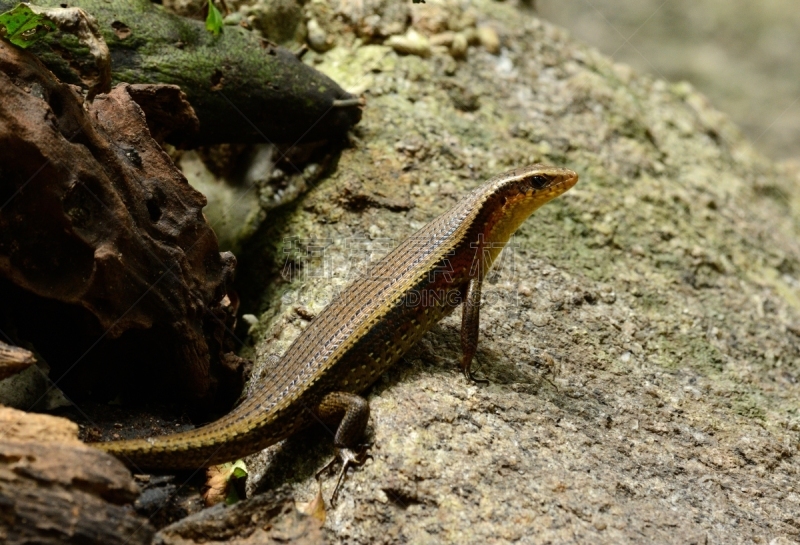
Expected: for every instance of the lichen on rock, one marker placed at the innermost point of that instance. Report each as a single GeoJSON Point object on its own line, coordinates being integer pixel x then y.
{"type": "Point", "coordinates": [662, 291]}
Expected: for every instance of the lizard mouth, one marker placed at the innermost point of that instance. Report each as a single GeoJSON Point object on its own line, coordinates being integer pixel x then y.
{"type": "Point", "coordinates": [561, 180]}
{"type": "Point", "coordinates": [566, 179]}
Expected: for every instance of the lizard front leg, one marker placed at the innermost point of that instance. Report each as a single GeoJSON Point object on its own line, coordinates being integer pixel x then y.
{"type": "Point", "coordinates": [470, 319]}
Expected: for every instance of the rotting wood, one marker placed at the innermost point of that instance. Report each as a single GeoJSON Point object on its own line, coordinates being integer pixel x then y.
{"type": "Point", "coordinates": [14, 359]}
{"type": "Point", "coordinates": [56, 490]}
{"type": "Point", "coordinates": [107, 265]}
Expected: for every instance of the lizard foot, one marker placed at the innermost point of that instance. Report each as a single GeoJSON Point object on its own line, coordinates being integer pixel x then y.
{"type": "Point", "coordinates": [348, 457]}
{"type": "Point", "coordinates": [472, 378]}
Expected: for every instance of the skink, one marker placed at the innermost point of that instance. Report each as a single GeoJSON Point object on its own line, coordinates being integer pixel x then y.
{"type": "Point", "coordinates": [366, 329]}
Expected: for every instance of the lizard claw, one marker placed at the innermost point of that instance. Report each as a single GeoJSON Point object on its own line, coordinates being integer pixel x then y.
{"type": "Point", "coordinates": [348, 457]}
{"type": "Point", "coordinates": [473, 378]}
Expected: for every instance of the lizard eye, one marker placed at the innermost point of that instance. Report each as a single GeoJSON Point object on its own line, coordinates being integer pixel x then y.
{"type": "Point", "coordinates": [539, 182]}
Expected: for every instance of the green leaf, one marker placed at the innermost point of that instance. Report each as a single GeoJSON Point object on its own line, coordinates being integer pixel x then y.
{"type": "Point", "coordinates": [239, 469]}
{"type": "Point", "coordinates": [22, 27]}
{"type": "Point", "coordinates": [232, 496]}
{"type": "Point", "coordinates": [235, 489]}
{"type": "Point", "coordinates": [214, 19]}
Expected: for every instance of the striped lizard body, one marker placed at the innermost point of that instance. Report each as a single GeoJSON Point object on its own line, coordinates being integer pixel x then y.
{"type": "Point", "coordinates": [366, 329]}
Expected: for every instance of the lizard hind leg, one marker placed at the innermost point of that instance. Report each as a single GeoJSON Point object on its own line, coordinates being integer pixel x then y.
{"type": "Point", "coordinates": [352, 413]}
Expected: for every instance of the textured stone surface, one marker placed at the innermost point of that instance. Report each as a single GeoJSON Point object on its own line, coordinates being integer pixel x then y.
{"type": "Point", "coordinates": [741, 53]}
{"type": "Point", "coordinates": [663, 293]}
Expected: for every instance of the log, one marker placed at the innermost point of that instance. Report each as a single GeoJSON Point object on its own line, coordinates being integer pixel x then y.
{"type": "Point", "coordinates": [243, 88]}
{"type": "Point", "coordinates": [56, 490]}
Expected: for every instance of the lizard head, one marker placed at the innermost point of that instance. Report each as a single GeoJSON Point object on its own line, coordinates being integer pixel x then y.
{"type": "Point", "coordinates": [542, 182]}
{"type": "Point", "coordinates": [516, 194]}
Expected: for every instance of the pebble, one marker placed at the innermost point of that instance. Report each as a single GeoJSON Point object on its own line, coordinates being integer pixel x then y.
{"type": "Point", "coordinates": [318, 39]}
{"type": "Point", "coordinates": [412, 43]}
{"type": "Point", "coordinates": [489, 39]}
{"type": "Point", "coordinates": [458, 49]}
{"type": "Point", "coordinates": [443, 38]}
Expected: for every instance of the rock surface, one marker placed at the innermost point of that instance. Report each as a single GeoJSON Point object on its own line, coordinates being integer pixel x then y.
{"type": "Point", "coordinates": [662, 293]}
{"type": "Point", "coordinates": [742, 54]}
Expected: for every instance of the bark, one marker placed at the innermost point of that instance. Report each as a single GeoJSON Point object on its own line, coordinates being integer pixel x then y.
{"type": "Point", "coordinates": [13, 360]}
{"type": "Point", "coordinates": [268, 518]}
{"type": "Point", "coordinates": [110, 268]}
{"type": "Point", "coordinates": [56, 490]}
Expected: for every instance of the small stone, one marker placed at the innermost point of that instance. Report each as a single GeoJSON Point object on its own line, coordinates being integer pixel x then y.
{"type": "Point", "coordinates": [489, 39]}
{"type": "Point", "coordinates": [187, 8]}
{"type": "Point", "coordinates": [250, 319]}
{"type": "Point", "coordinates": [412, 43]}
{"type": "Point", "coordinates": [464, 20]}
{"type": "Point", "coordinates": [318, 39]}
{"type": "Point", "coordinates": [458, 49]}
{"type": "Point", "coordinates": [444, 38]}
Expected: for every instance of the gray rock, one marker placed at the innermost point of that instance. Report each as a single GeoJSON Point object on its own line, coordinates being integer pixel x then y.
{"type": "Point", "coordinates": [660, 293]}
